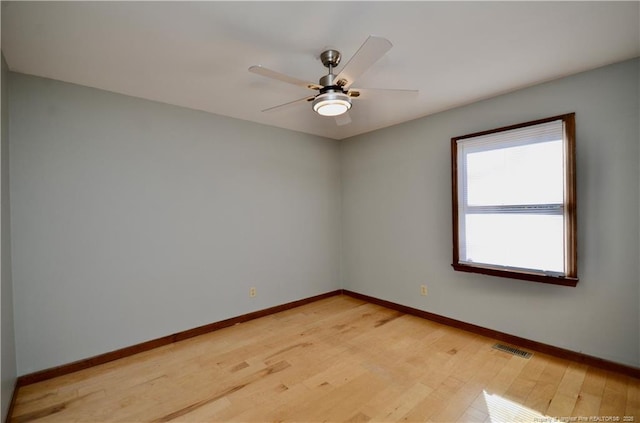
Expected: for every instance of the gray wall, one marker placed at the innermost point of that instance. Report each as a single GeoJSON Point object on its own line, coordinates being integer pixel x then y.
{"type": "Point", "coordinates": [397, 218]}
{"type": "Point", "coordinates": [8, 368]}
{"type": "Point", "coordinates": [133, 220]}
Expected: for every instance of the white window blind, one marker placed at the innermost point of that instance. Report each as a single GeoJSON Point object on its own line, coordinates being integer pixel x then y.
{"type": "Point", "coordinates": [511, 199]}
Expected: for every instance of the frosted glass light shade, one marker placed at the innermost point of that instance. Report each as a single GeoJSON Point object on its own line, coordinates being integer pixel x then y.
{"type": "Point", "coordinates": [331, 104]}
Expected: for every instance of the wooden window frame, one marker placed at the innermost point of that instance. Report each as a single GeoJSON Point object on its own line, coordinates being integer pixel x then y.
{"type": "Point", "coordinates": [570, 278]}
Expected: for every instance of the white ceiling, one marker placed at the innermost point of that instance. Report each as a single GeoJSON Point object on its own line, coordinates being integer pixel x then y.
{"type": "Point", "coordinates": [196, 54]}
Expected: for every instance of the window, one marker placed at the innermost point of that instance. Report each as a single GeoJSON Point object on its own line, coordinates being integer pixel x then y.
{"type": "Point", "coordinates": [514, 206]}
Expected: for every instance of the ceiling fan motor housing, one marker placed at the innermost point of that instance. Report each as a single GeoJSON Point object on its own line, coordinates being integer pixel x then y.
{"type": "Point", "coordinates": [329, 81]}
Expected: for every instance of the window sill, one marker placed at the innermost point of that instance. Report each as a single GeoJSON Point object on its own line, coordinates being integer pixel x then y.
{"type": "Point", "coordinates": [532, 277]}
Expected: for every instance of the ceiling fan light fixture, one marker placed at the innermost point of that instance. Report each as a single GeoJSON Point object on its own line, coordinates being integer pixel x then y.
{"type": "Point", "coordinates": [331, 103]}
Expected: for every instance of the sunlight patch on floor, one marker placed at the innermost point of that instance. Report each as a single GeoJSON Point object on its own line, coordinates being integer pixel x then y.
{"type": "Point", "coordinates": [502, 410]}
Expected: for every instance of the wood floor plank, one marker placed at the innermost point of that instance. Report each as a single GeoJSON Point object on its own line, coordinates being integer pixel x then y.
{"type": "Point", "coordinates": [590, 396]}
{"type": "Point", "coordinates": [337, 359]}
{"type": "Point", "coordinates": [393, 408]}
{"type": "Point", "coordinates": [632, 409]}
{"type": "Point", "coordinates": [614, 395]}
{"type": "Point", "coordinates": [566, 396]}
{"type": "Point", "coordinates": [546, 387]}
{"type": "Point", "coordinates": [522, 386]}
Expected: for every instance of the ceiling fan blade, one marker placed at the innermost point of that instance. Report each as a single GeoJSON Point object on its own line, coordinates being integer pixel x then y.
{"type": "Point", "coordinates": [291, 103]}
{"type": "Point", "coordinates": [260, 70]}
{"type": "Point", "coordinates": [343, 119]}
{"type": "Point", "coordinates": [365, 92]}
{"type": "Point", "coordinates": [369, 52]}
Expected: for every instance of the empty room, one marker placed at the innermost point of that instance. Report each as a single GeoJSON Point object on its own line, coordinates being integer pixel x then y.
{"type": "Point", "coordinates": [320, 211]}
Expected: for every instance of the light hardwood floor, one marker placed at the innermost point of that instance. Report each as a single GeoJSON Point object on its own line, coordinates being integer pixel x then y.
{"type": "Point", "coordinates": [338, 359]}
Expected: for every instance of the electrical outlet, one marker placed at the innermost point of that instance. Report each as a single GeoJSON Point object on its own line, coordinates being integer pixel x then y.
{"type": "Point", "coordinates": [252, 292]}
{"type": "Point", "coordinates": [423, 290]}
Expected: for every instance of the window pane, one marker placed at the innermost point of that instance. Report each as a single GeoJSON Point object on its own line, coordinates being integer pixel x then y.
{"type": "Point", "coordinates": [527, 174]}
{"type": "Point", "coordinates": [515, 240]}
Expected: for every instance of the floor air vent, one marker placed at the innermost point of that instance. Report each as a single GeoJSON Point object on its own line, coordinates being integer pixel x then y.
{"type": "Point", "coordinates": [512, 350]}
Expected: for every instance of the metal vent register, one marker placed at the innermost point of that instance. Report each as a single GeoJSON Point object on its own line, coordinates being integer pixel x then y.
{"type": "Point", "coordinates": [512, 350]}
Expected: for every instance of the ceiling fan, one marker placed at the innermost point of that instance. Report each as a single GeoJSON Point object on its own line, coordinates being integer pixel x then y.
{"type": "Point", "coordinates": [334, 91]}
